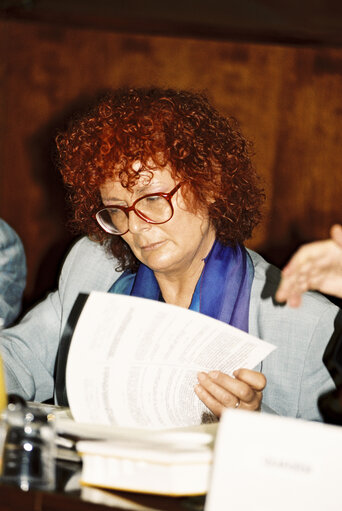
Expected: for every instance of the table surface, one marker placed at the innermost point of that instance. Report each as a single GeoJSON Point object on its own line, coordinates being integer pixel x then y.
{"type": "Point", "coordinates": [69, 495]}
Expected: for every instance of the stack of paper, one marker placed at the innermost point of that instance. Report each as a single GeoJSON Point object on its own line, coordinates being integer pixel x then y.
{"type": "Point", "coordinates": [176, 464]}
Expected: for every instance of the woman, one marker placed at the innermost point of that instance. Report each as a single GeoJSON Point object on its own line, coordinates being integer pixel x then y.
{"type": "Point", "coordinates": [164, 187]}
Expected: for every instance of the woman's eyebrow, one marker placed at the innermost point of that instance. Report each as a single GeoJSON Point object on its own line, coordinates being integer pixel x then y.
{"type": "Point", "coordinates": [142, 190]}
{"type": "Point", "coordinates": [111, 199]}
{"type": "Point", "coordinates": [106, 199]}
{"type": "Point", "coordinates": [147, 188]}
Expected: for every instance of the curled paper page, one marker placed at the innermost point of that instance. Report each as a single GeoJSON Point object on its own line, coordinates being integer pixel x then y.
{"type": "Point", "coordinates": [133, 362]}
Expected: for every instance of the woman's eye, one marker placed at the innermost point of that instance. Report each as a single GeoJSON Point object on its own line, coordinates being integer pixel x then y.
{"type": "Point", "coordinates": [113, 211]}
{"type": "Point", "coordinates": [153, 198]}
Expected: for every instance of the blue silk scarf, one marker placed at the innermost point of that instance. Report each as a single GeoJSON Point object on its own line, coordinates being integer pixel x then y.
{"type": "Point", "coordinates": [222, 292]}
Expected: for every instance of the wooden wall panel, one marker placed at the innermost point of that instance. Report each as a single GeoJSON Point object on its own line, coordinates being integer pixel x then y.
{"type": "Point", "coordinates": [287, 99]}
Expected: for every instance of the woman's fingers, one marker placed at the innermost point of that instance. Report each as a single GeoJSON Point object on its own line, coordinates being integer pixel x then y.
{"type": "Point", "coordinates": [214, 405]}
{"type": "Point", "coordinates": [219, 391]}
{"type": "Point", "coordinates": [253, 378]}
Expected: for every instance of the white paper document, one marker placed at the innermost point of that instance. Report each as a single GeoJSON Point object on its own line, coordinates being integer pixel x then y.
{"type": "Point", "coordinates": [265, 462]}
{"type": "Point", "coordinates": [133, 362]}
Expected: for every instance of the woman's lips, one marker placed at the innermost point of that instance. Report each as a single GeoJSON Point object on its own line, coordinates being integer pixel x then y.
{"type": "Point", "coordinates": [152, 246]}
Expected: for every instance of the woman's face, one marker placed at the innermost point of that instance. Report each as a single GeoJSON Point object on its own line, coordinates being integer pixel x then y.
{"type": "Point", "coordinates": [171, 248]}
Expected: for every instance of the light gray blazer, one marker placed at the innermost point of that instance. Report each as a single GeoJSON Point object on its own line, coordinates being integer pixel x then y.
{"type": "Point", "coordinates": [295, 373]}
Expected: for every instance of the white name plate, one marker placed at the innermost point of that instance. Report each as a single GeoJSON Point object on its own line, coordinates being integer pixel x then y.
{"type": "Point", "coordinates": [266, 462]}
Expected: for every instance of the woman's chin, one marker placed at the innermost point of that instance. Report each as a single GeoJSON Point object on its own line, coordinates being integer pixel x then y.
{"type": "Point", "coordinates": [157, 262]}
{"type": "Point", "coordinates": [158, 266]}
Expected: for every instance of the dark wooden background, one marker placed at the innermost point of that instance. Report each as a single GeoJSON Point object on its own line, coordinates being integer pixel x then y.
{"type": "Point", "coordinates": [284, 87]}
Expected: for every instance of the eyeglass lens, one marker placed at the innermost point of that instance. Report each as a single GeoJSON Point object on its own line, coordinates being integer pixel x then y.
{"type": "Point", "coordinates": [153, 209]}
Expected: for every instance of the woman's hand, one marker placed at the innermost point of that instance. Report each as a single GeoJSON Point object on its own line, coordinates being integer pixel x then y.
{"type": "Point", "coordinates": [219, 391]}
{"type": "Point", "coordinates": [317, 265]}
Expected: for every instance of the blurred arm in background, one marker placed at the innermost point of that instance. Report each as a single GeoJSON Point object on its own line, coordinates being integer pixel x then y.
{"type": "Point", "coordinates": [317, 266]}
{"type": "Point", "coordinates": [12, 274]}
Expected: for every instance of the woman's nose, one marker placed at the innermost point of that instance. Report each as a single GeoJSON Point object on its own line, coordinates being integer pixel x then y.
{"type": "Point", "coordinates": [136, 224]}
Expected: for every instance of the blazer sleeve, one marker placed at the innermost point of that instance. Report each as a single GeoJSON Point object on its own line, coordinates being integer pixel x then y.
{"type": "Point", "coordinates": [315, 379]}
{"type": "Point", "coordinates": [29, 348]}
{"type": "Point", "coordinates": [295, 372]}
{"type": "Point", "coordinates": [29, 351]}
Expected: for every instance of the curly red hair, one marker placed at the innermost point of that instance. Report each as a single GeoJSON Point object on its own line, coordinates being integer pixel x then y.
{"type": "Point", "coordinates": [157, 127]}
